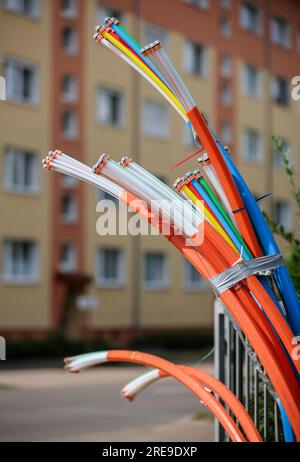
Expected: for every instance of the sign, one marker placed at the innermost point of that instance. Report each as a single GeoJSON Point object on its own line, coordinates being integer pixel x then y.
{"type": "Point", "coordinates": [87, 303]}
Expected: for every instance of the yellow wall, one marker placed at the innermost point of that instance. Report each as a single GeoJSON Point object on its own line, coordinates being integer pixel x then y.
{"type": "Point", "coordinates": [27, 306]}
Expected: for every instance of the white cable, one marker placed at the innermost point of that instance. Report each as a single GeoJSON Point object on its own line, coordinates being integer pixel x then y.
{"type": "Point", "coordinates": [134, 183]}
{"type": "Point", "coordinates": [196, 216]}
{"type": "Point", "coordinates": [140, 71]}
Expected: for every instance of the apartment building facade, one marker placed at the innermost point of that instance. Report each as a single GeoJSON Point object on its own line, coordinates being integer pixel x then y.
{"type": "Point", "coordinates": [66, 91]}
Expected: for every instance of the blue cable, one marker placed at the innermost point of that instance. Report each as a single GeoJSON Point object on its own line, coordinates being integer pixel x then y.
{"type": "Point", "coordinates": [269, 247]}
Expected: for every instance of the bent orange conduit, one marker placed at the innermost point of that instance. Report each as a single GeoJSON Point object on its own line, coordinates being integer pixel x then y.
{"type": "Point", "coordinates": [224, 393]}
{"type": "Point", "coordinates": [287, 390]}
{"type": "Point", "coordinates": [190, 382]}
{"type": "Point", "coordinates": [233, 195]}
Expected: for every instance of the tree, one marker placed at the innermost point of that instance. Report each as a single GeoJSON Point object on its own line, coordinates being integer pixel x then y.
{"type": "Point", "coordinates": [293, 256]}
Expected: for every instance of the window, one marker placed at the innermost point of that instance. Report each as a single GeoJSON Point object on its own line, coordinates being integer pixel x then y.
{"type": "Point", "coordinates": [195, 59]}
{"type": "Point", "coordinates": [226, 94]}
{"type": "Point", "coordinates": [110, 107]}
{"type": "Point", "coordinates": [107, 12]}
{"type": "Point", "coordinates": [251, 18]}
{"type": "Point", "coordinates": [68, 258]}
{"type": "Point", "coordinates": [226, 133]}
{"type": "Point", "coordinates": [280, 91]}
{"type": "Point", "coordinates": [252, 81]}
{"type": "Point", "coordinates": [69, 209]}
{"type": "Point", "coordinates": [252, 146]}
{"type": "Point", "coordinates": [152, 33]}
{"type": "Point", "coordinates": [29, 8]}
{"type": "Point", "coordinates": [155, 120]}
{"type": "Point", "coordinates": [201, 4]}
{"type": "Point", "coordinates": [21, 171]}
{"type": "Point", "coordinates": [110, 268]}
{"type": "Point", "coordinates": [225, 4]}
{"type": "Point", "coordinates": [69, 8]}
{"type": "Point", "coordinates": [280, 32]}
{"type": "Point", "coordinates": [21, 82]}
{"type": "Point", "coordinates": [155, 271]}
{"type": "Point", "coordinates": [225, 27]}
{"type": "Point", "coordinates": [282, 150]}
{"type": "Point", "coordinates": [69, 88]}
{"type": "Point", "coordinates": [284, 214]}
{"type": "Point", "coordinates": [20, 263]}
{"type": "Point", "coordinates": [69, 40]}
{"type": "Point", "coordinates": [69, 125]}
{"type": "Point", "coordinates": [192, 279]}
{"type": "Point", "coordinates": [68, 182]}
{"type": "Point", "coordinates": [225, 66]}
{"type": "Point", "coordinates": [187, 136]}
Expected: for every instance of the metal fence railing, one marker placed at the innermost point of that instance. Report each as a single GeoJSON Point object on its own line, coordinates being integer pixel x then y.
{"type": "Point", "coordinates": [238, 367]}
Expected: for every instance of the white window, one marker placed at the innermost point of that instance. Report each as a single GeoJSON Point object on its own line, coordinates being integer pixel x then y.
{"type": "Point", "coordinates": [110, 107]}
{"type": "Point", "coordinates": [107, 12]}
{"type": "Point", "coordinates": [110, 268]}
{"type": "Point", "coordinates": [155, 271]}
{"type": "Point", "coordinates": [225, 66]}
{"type": "Point", "coordinates": [29, 8]}
{"type": "Point", "coordinates": [282, 150]}
{"type": "Point", "coordinates": [69, 88]}
{"type": "Point", "coordinates": [20, 263]}
{"type": "Point", "coordinates": [68, 258]}
{"type": "Point", "coordinates": [21, 81]}
{"type": "Point", "coordinates": [284, 214]}
{"type": "Point", "coordinates": [226, 133]}
{"type": "Point", "coordinates": [195, 59]}
{"type": "Point", "coordinates": [69, 8]}
{"type": "Point", "coordinates": [225, 27]}
{"type": "Point", "coordinates": [21, 171]}
{"type": "Point", "coordinates": [68, 182]}
{"type": "Point", "coordinates": [69, 125]}
{"type": "Point", "coordinates": [156, 121]}
{"type": "Point", "coordinates": [226, 94]}
{"type": "Point", "coordinates": [280, 32]}
{"type": "Point", "coordinates": [192, 279]}
{"type": "Point", "coordinates": [226, 4]}
{"type": "Point", "coordinates": [252, 149]}
{"type": "Point", "coordinates": [280, 90]}
{"type": "Point", "coordinates": [152, 33]}
{"type": "Point", "coordinates": [69, 209]}
{"type": "Point", "coordinates": [251, 17]}
{"type": "Point", "coordinates": [201, 4]}
{"type": "Point", "coordinates": [252, 81]}
{"type": "Point", "coordinates": [187, 136]}
{"type": "Point", "coordinates": [69, 40]}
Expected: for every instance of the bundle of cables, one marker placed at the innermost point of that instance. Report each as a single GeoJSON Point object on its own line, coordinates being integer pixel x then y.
{"type": "Point", "coordinates": [223, 235]}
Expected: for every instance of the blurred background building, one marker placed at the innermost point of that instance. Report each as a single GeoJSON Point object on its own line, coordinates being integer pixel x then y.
{"type": "Point", "coordinates": [65, 91]}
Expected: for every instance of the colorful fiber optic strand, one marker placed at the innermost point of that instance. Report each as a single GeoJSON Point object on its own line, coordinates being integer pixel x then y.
{"type": "Point", "coordinates": [250, 318]}
{"type": "Point", "coordinates": [216, 167]}
{"type": "Point", "coordinates": [155, 53]}
{"type": "Point", "coordinates": [155, 60]}
{"type": "Point", "coordinates": [188, 376]}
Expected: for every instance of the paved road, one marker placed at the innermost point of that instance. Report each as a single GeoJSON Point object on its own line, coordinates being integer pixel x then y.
{"type": "Point", "coordinates": [52, 405]}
